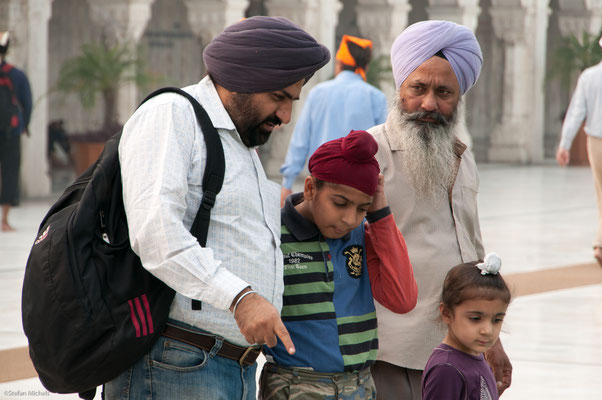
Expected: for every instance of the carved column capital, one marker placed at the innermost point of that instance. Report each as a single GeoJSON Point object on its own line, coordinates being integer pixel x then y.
{"type": "Point", "coordinates": [509, 24]}
{"type": "Point", "coordinates": [208, 18]}
{"type": "Point", "coordinates": [120, 20]}
{"type": "Point", "coordinates": [305, 13]}
{"type": "Point", "coordinates": [463, 12]}
{"type": "Point", "coordinates": [578, 16]}
{"type": "Point", "coordinates": [382, 21]}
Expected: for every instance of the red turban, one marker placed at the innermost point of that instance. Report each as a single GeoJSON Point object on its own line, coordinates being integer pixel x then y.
{"type": "Point", "coordinates": [348, 161]}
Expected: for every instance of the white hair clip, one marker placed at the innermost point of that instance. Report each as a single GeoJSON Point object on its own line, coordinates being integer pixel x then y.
{"type": "Point", "coordinates": [491, 264]}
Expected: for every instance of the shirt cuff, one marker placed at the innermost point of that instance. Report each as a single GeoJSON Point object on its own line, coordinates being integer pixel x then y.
{"type": "Point", "coordinates": [223, 288]}
{"type": "Point", "coordinates": [287, 182]}
{"type": "Point", "coordinates": [378, 214]}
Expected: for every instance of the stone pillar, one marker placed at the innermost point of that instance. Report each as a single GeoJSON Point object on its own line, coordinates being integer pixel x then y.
{"type": "Point", "coordinates": [382, 21]}
{"type": "Point", "coordinates": [518, 137]}
{"type": "Point", "coordinates": [463, 12]}
{"type": "Point", "coordinates": [32, 41]}
{"type": "Point", "coordinates": [123, 23]}
{"type": "Point", "coordinates": [319, 19]}
{"type": "Point", "coordinates": [12, 15]}
{"type": "Point", "coordinates": [207, 18]}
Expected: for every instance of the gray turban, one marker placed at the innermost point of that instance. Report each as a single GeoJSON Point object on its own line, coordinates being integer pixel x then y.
{"type": "Point", "coordinates": [422, 40]}
{"type": "Point", "coordinates": [261, 54]}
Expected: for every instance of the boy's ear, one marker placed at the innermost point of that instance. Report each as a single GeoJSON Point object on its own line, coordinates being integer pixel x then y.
{"type": "Point", "coordinates": [445, 313]}
{"type": "Point", "coordinates": [309, 188]}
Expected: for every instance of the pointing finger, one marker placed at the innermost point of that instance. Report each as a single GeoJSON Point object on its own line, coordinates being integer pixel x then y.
{"type": "Point", "coordinates": [284, 336]}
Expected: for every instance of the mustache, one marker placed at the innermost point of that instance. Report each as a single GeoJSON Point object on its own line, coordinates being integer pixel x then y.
{"type": "Point", "coordinates": [272, 119]}
{"type": "Point", "coordinates": [439, 118]}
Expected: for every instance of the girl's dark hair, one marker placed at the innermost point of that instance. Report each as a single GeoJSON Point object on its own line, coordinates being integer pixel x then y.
{"type": "Point", "coordinates": [465, 282]}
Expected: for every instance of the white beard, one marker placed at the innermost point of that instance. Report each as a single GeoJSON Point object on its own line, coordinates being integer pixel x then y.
{"type": "Point", "coordinates": [428, 152]}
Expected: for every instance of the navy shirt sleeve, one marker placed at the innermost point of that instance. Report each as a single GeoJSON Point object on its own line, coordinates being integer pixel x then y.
{"type": "Point", "coordinates": [23, 93]}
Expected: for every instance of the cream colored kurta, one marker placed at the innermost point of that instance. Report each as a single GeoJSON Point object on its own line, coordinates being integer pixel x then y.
{"type": "Point", "coordinates": [439, 234]}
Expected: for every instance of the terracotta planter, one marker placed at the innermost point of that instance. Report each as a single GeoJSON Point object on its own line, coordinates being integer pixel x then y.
{"type": "Point", "coordinates": [84, 154]}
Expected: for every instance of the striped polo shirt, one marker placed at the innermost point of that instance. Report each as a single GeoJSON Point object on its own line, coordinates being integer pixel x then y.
{"type": "Point", "coordinates": [327, 303]}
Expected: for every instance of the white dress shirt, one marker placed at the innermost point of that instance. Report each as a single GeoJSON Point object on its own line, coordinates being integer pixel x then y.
{"type": "Point", "coordinates": [586, 104]}
{"type": "Point", "coordinates": [162, 154]}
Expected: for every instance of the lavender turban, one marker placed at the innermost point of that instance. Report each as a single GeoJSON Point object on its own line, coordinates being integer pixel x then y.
{"type": "Point", "coordinates": [422, 40]}
{"type": "Point", "coordinates": [261, 54]}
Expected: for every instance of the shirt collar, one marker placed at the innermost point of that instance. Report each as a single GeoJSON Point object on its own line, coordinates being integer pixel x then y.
{"type": "Point", "coordinates": [297, 224]}
{"type": "Point", "coordinates": [348, 75]}
{"type": "Point", "coordinates": [209, 99]}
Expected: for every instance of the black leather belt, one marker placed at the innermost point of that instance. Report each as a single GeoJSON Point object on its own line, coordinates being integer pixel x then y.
{"type": "Point", "coordinates": [244, 355]}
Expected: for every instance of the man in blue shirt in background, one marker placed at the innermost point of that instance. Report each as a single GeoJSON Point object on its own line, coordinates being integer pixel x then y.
{"type": "Point", "coordinates": [334, 108]}
{"type": "Point", "coordinates": [10, 136]}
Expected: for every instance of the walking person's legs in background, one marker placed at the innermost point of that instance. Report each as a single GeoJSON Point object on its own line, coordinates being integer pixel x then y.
{"type": "Point", "coordinates": [594, 152]}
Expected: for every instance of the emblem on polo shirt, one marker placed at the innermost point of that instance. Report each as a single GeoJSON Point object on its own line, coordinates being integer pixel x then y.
{"type": "Point", "coordinates": [354, 256]}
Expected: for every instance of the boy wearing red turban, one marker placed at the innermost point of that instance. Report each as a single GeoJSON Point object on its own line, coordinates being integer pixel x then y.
{"type": "Point", "coordinates": [341, 250]}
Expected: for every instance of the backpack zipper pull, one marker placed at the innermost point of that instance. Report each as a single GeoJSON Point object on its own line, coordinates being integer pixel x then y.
{"type": "Point", "coordinates": [105, 237]}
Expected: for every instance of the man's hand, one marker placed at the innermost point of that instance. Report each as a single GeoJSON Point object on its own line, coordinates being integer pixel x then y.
{"type": "Point", "coordinates": [259, 322]}
{"type": "Point", "coordinates": [500, 364]}
{"type": "Point", "coordinates": [283, 195]}
{"type": "Point", "coordinates": [379, 200]}
{"type": "Point", "coordinates": [563, 157]}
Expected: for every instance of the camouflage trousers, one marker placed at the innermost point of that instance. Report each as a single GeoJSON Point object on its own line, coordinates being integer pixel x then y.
{"type": "Point", "coordinates": [280, 383]}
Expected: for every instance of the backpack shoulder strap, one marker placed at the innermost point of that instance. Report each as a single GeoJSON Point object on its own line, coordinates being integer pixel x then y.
{"type": "Point", "coordinates": [213, 176]}
{"type": "Point", "coordinates": [215, 168]}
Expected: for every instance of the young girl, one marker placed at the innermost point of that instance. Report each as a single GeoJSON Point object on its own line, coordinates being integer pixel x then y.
{"type": "Point", "coordinates": [473, 304]}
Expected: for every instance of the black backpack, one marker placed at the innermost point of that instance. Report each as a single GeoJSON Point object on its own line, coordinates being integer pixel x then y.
{"type": "Point", "coordinates": [89, 308]}
{"type": "Point", "coordinates": [9, 105]}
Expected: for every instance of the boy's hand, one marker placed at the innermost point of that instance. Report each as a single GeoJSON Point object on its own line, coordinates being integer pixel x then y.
{"type": "Point", "coordinates": [284, 192]}
{"type": "Point", "coordinates": [380, 200]}
{"type": "Point", "coordinates": [259, 322]}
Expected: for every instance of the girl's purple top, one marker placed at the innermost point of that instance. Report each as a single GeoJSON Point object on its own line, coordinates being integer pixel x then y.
{"type": "Point", "coordinates": [452, 374]}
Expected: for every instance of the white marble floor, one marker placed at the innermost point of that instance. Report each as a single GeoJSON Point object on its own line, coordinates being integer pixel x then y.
{"type": "Point", "coordinates": [535, 217]}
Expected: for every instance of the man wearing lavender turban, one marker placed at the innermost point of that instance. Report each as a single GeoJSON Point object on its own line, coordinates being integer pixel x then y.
{"type": "Point", "coordinates": [431, 181]}
{"type": "Point", "coordinates": [256, 68]}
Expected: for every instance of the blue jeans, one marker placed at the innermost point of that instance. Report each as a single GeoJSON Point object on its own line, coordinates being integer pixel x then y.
{"type": "Point", "coordinates": [175, 370]}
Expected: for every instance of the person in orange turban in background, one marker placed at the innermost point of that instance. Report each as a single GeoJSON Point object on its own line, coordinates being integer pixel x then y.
{"type": "Point", "coordinates": [334, 108]}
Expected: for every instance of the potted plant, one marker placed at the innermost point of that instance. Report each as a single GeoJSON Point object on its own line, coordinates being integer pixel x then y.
{"type": "Point", "coordinates": [99, 69]}
{"type": "Point", "coordinates": [572, 57]}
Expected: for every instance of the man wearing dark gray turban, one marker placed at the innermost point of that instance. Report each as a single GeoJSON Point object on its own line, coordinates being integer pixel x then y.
{"type": "Point", "coordinates": [256, 69]}
{"type": "Point", "coordinates": [432, 182]}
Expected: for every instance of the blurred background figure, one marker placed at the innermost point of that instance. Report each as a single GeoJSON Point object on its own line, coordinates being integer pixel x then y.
{"type": "Point", "coordinates": [335, 107]}
{"type": "Point", "coordinates": [15, 111]}
{"type": "Point", "coordinates": [59, 148]}
{"type": "Point", "coordinates": [586, 105]}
